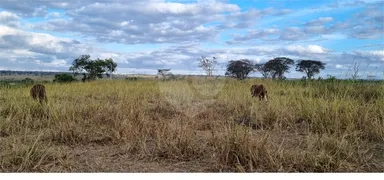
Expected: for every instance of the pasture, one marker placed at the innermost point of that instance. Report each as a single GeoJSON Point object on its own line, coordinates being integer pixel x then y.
{"type": "Point", "coordinates": [193, 125]}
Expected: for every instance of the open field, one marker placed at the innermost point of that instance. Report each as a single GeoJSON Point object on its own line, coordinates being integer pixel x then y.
{"type": "Point", "coordinates": [193, 125]}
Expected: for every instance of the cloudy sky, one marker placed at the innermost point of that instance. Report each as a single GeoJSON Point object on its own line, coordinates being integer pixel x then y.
{"type": "Point", "coordinates": [144, 35]}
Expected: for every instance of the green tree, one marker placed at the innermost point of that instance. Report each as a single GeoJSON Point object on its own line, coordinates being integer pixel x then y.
{"type": "Point", "coordinates": [92, 69]}
{"type": "Point", "coordinates": [262, 70]}
{"type": "Point", "coordinates": [310, 67]}
{"type": "Point", "coordinates": [110, 66]}
{"type": "Point", "coordinates": [277, 67]}
{"type": "Point", "coordinates": [64, 78]}
{"type": "Point", "coordinates": [27, 81]}
{"type": "Point", "coordinates": [239, 68]}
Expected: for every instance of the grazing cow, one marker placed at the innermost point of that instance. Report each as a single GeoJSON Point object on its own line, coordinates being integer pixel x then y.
{"type": "Point", "coordinates": [38, 93]}
{"type": "Point", "coordinates": [260, 91]}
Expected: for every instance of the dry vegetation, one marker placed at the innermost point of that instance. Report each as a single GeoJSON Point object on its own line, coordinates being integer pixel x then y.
{"type": "Point", "coordinates": [164, 126]}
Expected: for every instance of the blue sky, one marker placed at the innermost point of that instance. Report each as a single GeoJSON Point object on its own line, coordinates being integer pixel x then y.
{"type": "Point", "coordinates": [144, 35]}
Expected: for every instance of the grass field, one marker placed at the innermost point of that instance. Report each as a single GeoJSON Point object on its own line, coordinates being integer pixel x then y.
{"type": "Point", "coordinates": [193, 125]}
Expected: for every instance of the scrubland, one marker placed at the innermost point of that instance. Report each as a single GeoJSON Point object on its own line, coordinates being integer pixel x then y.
{"type": "Point", "coordinates": [193, 125]}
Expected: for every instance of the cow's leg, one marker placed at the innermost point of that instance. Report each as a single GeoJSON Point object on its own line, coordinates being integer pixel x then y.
{"type": "Point", "coordinates": [265, 98]}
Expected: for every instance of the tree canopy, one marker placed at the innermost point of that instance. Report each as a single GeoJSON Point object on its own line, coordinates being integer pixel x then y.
{"type": "Point", "coordinates": [277, 67]}
{"type": "Point", "coordinates": [239, 68]}
{"type": "Point", "coordinates": [262, 70]}
{"type": "Point", "coordinates": [64, 78]}
{"type": "Point", "coordinates": [92, 69]}
{"type": "Point", "coordinates": [309, 67]}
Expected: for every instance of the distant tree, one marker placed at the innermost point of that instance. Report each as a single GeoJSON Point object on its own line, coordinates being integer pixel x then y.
{"type": "Point", "coordinates": [110, 66]}
{"type": "Point", "coordinates": [64, 78]}
{"type": "Point", "coordinates": [92, 69]}
{"type": "Point", "coordinates": [261, 68]}
{"type": "Point", "coordinates": [277, 67]}
{"type": "Point", "coordinates": [309, 67]}
{"type": "Point", "coordinates": [239, 68]}
{"type": "Point", "coordinates": [208, 64]}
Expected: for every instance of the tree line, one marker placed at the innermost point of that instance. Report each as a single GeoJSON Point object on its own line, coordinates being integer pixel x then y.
{"type": "Point", "coordinates": [274, 68]}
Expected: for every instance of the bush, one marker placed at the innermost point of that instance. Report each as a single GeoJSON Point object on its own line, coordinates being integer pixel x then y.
{"type": "Point", "coordinates": [64, 78]}
{"type": "Point", "coordinates": [27, 81]}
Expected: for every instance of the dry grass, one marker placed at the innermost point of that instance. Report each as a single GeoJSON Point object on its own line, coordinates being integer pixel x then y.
{"type": "Point", "coordinates": [191, 125]}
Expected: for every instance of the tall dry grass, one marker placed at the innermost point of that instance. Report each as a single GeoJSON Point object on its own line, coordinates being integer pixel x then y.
{"type": "Point", "coordinates": [311, 127]}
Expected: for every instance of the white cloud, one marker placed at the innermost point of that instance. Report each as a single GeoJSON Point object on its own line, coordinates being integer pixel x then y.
{"type": "Point", "coordinates": [310, 49]}
{"type": "Point", "coordinates": [377, 53]}
{"type": "Point", "coordinates": [9, 19]}
{"type": "Point", "coordinates": [151, 21]}
{"type": "Point", "coordinates": [53, 63]}
{"type": "Point", "coordinates": [319, 21]}
{"type": "Point", "coordinates": [30, 49]}
{"type": "Point", "coordinates": [255, 35]}
{"type": "Point", "coordinates": [135, 22]}
{"type": "Point", "coordinates": [335, 36]}
{"type": "Point", "coordinates": [315, 49]}
{"type": "Point", "coordinates": [316, 29]}
{"type": "Point", "coordinates": [374, 55]}
{"type": "Point", "coordinates": [53, 15]}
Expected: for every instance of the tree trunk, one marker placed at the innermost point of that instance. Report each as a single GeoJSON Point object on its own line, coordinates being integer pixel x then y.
{"type": "Point", "coordinates": [84, 77]}
{"type": "Point", "coordinates": [308, 75]}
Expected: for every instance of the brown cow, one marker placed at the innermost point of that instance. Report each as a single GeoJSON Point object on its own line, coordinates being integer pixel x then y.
{"type": "Point", "coordinates": [260, 91]}
{"type": "Point", "coordinates": [38, 93]}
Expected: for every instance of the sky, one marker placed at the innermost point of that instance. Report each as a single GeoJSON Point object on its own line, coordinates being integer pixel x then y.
{"type": "Point", "coordinates": [145, 35]}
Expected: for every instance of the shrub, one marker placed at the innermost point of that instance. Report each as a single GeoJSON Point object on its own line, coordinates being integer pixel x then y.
{"type": "Point", "coordinates": [27, 81]}
{"type": "Point", "coordinates": [331, 79]}
{"type": "Point", "coordinates": [64, 78]}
